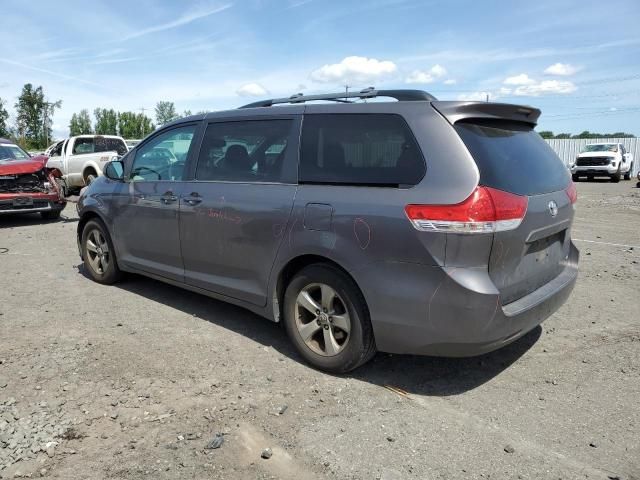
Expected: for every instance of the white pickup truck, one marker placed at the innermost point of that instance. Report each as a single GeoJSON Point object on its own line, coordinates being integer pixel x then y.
{"type": "Point", "coordinates": [603, 160]}
{"type": "Point", "coordinates": [80, 159]}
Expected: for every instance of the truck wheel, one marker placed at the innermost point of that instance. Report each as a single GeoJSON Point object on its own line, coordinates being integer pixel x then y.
{"type": "Point", "coordinates": [575, 177]}
{"type": "Point", "coordinates": [98, 253]}
{"type": "Point", "coordinates": [89, 178]}
{"type": "Point", "coordinates": [615, 178]}
{"type": "Point", "coordinates": [627, 176]}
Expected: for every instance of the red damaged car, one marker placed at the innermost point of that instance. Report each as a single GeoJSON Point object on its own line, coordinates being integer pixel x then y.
{"type": "Point", "coordinates": [26, 184]}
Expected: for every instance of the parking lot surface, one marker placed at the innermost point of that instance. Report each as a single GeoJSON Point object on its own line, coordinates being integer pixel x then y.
{"type": "Point", "coordinates": [135, 380]}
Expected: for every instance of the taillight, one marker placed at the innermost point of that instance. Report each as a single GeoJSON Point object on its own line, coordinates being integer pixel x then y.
{"type": "Point", "coordinates": [571, 192]}
{"type": "Point", "coordinates": [487, 210]}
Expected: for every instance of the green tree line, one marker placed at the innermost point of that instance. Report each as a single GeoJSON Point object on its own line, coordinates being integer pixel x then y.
{"type": "Point", "coordinates": [34, 118]}
{"type": "Point", "coordinates": [586, 134]}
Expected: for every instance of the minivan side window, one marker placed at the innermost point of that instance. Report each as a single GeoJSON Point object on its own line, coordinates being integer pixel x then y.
{"type": "Point", "coordinates": [359, 149]}
{"type": "Point", "coordinates": [163, 158]}
{"type": "Point", "coordinates": [244, 151]}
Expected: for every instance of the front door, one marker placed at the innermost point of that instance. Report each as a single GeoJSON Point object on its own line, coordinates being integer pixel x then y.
{"type": "Point", "coordinates": [147, 228]}
{"type": "Point", "coordinates": [234, 214]}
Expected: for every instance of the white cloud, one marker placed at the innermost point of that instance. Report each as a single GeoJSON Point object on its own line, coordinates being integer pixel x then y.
{"type": "Point", "coordinates": [477, 96]}
{"type": "Point", "coordinates": [450, 81]}
{"type": "Point", "coordinates": [178, 22]}
{"type": "Point", "coordinates": [251, 90]}
{"type": "Point", "coordinates": [561, 69]}
{"type": "Point", "coordinates": [545, 87]}
{"type": "Point", "coordinates": [354, 69]}
{"type": "Point", "coordinates": [522, 79]}
{"type": "Point", "coordinates": [427, 76]}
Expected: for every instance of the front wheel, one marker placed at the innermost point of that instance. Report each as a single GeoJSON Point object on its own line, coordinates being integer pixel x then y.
{"type": "Point", "coordinates": [575, 177]}
{"type": "Point", "coordinates": [627, 176]}
{"type": "Point", "coordinates": [98, 253]}
{"type": "Point", "coordinates": [327, 319]}
{"type": "Point", "coordinates": [615, 178]}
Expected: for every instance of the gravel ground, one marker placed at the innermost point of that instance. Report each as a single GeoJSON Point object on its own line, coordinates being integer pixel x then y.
{"type": "Point", "coordinates": [142, 380]}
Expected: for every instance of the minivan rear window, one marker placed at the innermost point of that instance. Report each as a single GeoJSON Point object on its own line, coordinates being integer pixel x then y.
{"type": "Point", "coordinates": [512, 157]}
{"type": "Point", "coordinates": [359, 149]}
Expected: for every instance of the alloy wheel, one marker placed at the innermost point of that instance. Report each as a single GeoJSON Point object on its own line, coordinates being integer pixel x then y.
{"type": "Point", "coordinates": [322, 319]}
{"type": "Point", "coordinates": [98, 251]}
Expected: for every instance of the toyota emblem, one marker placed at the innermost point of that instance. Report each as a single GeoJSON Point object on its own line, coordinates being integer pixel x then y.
{"type": "Point", "coordinates": [553, 208]}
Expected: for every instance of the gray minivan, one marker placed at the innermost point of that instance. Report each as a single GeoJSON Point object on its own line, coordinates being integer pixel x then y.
{"type": "Point", "coordinates": [407, 226]}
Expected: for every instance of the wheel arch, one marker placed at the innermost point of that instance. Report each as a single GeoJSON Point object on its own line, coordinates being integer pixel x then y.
{"type": "Point", "coordinates": [293, 266]}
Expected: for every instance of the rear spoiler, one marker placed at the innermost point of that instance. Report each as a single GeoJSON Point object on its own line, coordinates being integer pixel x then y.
{"type": "Point", "coordinates": [456, 111]}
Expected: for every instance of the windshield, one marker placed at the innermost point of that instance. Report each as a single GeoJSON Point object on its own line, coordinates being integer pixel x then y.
{"type": "Point", "coordinates": [12, 152]}
{"type": "Point", "coordinates": [601, 147]}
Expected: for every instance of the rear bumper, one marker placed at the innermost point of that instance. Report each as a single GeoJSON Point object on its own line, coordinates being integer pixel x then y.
{"type": "Point", "coordinates": [30, 203]}
{"type": "Point", "coordinates": [457, 313]}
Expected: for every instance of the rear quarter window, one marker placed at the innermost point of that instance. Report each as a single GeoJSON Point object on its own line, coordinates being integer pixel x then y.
{"type": "Point", "coordinates": [103, 144]}
{"type": "Point", "coordinates": [512, 157]}
{"type": "Point", "coordinates": [359, 149]}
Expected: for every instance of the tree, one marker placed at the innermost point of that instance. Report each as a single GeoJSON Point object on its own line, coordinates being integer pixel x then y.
{"type": "Point", "coordinates": [563, 135]}
{"type": "Point", "coordinates": [134, 125]}
{"type": "Point", "coordinates": [34, 117]}
{"type": "Point", "coordinates": [546, 134]}
{"type": "Point", "coordinates": [165, 112]}
{"type": "Point", "coordinates": [4, 116]}
{"type": "Point", "coordinates": [106, 121]}
{"type": "Point", "coordinates": [80, 123]}
{"type": "Point", "coordinates": [186, 113]}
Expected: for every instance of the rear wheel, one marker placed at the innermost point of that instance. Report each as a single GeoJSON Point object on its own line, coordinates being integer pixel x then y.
{"type": "Point", "coordinates": [575, 177]}
{"type": "Point", "coordinates": [98, 253]}
{"type": "Point", "coordinates": [89, 177]}
{"type": "Point", "coordinates": [327, 319]}
{"type": "Point", "coordinates": [627, 176]}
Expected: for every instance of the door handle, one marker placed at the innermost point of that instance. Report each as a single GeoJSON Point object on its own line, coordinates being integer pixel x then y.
{"type": "Point", "coordinates": [193, 199]}
{"type": "Point", "coordinates": [168, 197]}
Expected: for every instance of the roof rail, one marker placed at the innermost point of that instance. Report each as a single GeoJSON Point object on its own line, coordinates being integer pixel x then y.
{"type": "Point", "coordinates": [400, 95]}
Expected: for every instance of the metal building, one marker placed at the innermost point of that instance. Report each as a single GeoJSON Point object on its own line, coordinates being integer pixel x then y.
{"type": "Point", "coordinates": [568, 149]}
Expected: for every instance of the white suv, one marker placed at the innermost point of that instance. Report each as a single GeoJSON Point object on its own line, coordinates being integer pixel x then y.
{"type": "Point", "coordinates": [603, 159]}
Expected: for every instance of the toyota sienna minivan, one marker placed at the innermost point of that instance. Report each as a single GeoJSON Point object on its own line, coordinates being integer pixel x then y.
{"type": "Point", "coordinates": [406, 226]}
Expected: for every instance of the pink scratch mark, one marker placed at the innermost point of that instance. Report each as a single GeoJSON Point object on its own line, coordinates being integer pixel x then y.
{"type": "Point", "coordinates": [359, 223]}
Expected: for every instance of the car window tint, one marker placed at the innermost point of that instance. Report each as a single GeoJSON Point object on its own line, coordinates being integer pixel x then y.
{"type": "Point", "coordinates": [103, 144]}
{"type": "Point", "coordinates": [513, 157]}
{"type": "Point", "coordinates": [356, 149]}
{"type": "Point", "coordinates": [245, 151]}
{"type": "Point", "coordinates": [163, 158]}
{"type": "Point", "coordinates": [83, 145]}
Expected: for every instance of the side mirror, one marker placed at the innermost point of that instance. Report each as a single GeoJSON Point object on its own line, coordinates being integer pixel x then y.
{"type": "Point", "coordinates": [114, 170]}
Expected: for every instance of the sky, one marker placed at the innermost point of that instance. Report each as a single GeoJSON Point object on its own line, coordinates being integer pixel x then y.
{"type": "Point", "coordinates": [578, 61]}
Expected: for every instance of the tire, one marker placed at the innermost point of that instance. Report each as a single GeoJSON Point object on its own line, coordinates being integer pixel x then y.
{"type": "Point", "coordinates": [354, 345]}
{"type": "Point", "coordinates": [101, 265]}
{"type": "Point", "coordinates": [89, 177]}
{"type": "Point", "coordinates": [51, 214]}
{"type": "Point", "coordinates": [615, 178]}
{"type": "Point", "coordinates": [627, 176]}
{"type": "Point", "coordinates": [589, 178]}
{"type": "Point", "coordinates": [575, 177]}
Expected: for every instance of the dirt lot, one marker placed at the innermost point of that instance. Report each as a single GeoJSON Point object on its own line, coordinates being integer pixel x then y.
{"type": "Point", "coordinates": [134, 381]}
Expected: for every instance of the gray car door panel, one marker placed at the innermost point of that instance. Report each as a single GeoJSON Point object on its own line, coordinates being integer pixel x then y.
{"type": "Point", "coordinates": [231, 231]}
{"type": "Point", "coordinates": [147, 226]}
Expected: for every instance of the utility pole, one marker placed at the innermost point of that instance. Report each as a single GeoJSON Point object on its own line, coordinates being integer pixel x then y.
{"type": "Point", "coordinates": [346, 92]}
{"type": "Point", "coordinates": [142, 109]}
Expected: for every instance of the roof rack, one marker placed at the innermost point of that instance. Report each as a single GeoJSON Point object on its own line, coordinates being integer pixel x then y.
{"type": "Point", "coordinates": [400, 95]}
